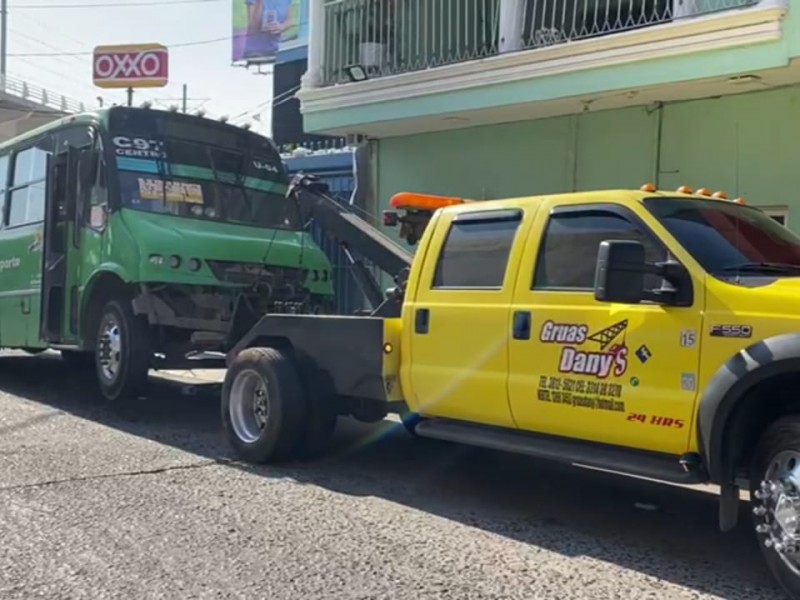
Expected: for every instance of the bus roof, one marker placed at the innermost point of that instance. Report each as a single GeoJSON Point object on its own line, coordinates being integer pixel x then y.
{"type": "Point", "coordinates": [97, 116]}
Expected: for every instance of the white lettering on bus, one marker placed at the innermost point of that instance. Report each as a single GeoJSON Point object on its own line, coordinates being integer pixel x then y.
{"type": "Point", "coordinates": [7, 264]}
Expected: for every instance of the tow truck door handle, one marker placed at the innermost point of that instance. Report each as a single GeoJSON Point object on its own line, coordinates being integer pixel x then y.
{"type": "Point", "coordinates": [421, 318]}
{"type": "Point", "coordinates": [522, 325]}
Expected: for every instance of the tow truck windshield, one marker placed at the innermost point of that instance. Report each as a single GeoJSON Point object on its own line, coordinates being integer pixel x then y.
{"type": "Point", "coordinates": [199, 171]}
{"type": "Point", "coordinates": [729, 239]}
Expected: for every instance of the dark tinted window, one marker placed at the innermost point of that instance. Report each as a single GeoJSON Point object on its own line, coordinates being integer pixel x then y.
{"type": "Point", "coordinates": [568, 254]}
{"type": "Point", "coordinates": [475, 254]}
{"type": "Point", "coordinates": [721, 235]}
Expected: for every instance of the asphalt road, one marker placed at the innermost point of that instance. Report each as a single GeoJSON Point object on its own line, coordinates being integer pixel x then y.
{"type": "Point", "coordinates": [147, 503]}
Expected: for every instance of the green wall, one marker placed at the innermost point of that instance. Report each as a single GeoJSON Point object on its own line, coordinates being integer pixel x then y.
{"type": "Point", "coordinates": [747, 145]}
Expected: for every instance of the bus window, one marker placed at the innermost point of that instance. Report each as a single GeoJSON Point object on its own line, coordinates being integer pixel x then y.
{"type": "Point", "coordinates": [77, 137]}
{"type": "Point", "coordinates": [28, 190]}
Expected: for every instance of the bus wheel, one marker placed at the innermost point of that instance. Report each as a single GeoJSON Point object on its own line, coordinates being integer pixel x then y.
{"type": "Point", "coordinates": [263, 406]}
{"type": "Point", "coordinates": [122, 353]}
{"type": "Point", "coordinates": [775, 497]}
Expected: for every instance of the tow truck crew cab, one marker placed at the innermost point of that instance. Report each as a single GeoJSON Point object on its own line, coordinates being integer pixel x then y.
{"type": "Point", "coordinates": [647, 332]}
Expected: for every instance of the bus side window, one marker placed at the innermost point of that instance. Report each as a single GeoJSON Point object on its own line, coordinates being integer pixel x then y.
{"type": "Point", "coordinates": [28, 190]}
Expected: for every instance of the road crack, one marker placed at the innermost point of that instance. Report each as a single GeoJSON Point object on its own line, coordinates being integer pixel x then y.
{"type": "Point", "coordinates": [155, 471]}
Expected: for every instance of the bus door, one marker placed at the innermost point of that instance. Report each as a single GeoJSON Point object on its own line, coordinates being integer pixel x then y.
{"type": "Point", "coordinates": [59, 214]}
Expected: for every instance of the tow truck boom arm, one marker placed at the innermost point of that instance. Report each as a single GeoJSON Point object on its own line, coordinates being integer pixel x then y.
{"type": "Point", "coordinates": [356, 237]}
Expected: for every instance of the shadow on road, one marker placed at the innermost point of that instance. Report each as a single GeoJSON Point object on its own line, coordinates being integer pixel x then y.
{"type": "Point", "coordinates": [663, 531]}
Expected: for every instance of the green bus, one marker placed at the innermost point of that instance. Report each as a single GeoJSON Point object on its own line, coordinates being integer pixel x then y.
{"type": "Point", "coordinates": [134, 238]}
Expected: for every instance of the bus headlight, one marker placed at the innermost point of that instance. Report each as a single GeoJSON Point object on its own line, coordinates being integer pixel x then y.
{"type": "Point", "coordinates": [174, 261]}
{"type": "Point", "coordinates": [156, 259]}
{"type": "Point", "coordinates": [194, 264]}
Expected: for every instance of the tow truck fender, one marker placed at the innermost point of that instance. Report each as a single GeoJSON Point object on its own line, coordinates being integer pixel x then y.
{"type": "Point", "coordinates": [718, 431]}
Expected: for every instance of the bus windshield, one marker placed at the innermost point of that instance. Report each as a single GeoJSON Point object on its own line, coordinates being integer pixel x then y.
{"type": "Point", "coordinates": [183, 166]}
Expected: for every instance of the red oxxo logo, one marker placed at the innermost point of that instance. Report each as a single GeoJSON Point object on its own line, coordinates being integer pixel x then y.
{"type": "Point", "coordinates": [143, 65]}
{"type": "Point", "coordinates": [611, 358]}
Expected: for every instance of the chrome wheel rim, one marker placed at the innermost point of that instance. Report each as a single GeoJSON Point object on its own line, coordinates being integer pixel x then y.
{"type": "Point", "coordinates": [110, 349]}
{"type": "Point", "coordinates": [776, 506]}
{"type": "Point", "coordinates": [249, 405]}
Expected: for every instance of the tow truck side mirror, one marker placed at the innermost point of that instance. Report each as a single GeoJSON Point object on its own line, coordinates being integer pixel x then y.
{"type": "Point", "coordinates": [619, 274]}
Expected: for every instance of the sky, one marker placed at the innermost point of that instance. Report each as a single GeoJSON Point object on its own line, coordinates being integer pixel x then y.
{"type": "Point", "coordinates": [53, 27]}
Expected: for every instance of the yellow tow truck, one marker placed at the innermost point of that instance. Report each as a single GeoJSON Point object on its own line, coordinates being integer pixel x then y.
{"type": "Point", "coordinates": [648, 332]}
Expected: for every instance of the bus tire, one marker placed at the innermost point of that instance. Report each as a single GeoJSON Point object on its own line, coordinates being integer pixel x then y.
{"type": "Point", "coordinates": [122, 352]}
{"type": "Point", "coordinates": [772, 485]}
{"type": "Point", "coordinates": [263, 406]}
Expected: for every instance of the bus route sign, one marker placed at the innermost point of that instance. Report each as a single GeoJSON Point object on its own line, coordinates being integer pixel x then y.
{"type": "Point", "coordinates": [131, 66]}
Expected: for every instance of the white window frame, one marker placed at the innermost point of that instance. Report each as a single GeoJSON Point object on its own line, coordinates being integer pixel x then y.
{"type": "Point", "coordinates": [776, 211]}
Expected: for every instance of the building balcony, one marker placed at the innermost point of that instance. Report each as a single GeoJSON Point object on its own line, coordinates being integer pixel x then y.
{"type": "Point", "coordinates": [379, 38]}
{"type": "Point", "coordinates": [373, 57]}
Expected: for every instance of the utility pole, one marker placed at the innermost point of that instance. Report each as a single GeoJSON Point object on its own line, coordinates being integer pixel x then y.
{"type": "Point", "coordinates": [185, 94]}
{"type": "Point", "coordinates": [3, 39]}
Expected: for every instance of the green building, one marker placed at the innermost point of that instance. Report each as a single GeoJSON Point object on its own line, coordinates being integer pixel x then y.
{"type": "Point", "coordinates": [495, 98]}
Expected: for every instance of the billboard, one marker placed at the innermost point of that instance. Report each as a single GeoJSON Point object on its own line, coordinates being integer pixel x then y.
{"type": "Point", "coordinates": [262, 28]}
{"type": "Point", "coordinates": [130, 66]}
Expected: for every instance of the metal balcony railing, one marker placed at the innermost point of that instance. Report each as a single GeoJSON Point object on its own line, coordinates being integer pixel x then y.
{"type": "Point", "coordinates": [387, 37]}
{"type": "Point", "coordinates": [34, 94]}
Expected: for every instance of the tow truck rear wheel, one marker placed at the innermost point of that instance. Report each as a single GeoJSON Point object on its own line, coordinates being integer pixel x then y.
{"type": "Point", "coordinates": [322, 412]}
{"type": "Point", "coordinates": [775, 498]}
{"type": "Point", "coordinates": [263, 406]}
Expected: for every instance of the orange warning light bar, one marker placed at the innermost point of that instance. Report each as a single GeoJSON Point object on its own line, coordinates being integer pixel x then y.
{"type": "Point", "coordinates": [704, 192]}
{"type": "Point", "coordinates": [648, 187]}
{"type": "Point", "coordinates": [739, 201]}
{"type": "Point", "coordinates": [685, 189]}
{"type": "Point", "coordinates": [720, 195]}
{"type": "Point", "coordinates": [414, 201]}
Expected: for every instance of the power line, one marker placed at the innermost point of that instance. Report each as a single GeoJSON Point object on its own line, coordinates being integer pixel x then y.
{"type": "Point", "coordinates": [91, 52]}
{"type": "Point", "coordinates": [110, 4]}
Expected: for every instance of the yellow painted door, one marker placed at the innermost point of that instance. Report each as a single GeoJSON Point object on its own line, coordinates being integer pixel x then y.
{"type": "Point", "coordinates": [614, 373]}
{"type": "Point", "coordinates": [459, 317]}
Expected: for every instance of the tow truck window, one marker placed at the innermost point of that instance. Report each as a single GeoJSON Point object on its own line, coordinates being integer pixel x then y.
{"type": "Point", "coordinates": [723, 235]}
{"type": "Point", "coordinates": [475, 254]}
{"type": "Point", "coordinates": [568, 253]}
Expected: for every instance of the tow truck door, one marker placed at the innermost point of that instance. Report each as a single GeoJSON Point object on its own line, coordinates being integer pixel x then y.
{"type": "Point", "coordinates": [623, 374]}
{"type": "Point", "coordinates": [459, 316]}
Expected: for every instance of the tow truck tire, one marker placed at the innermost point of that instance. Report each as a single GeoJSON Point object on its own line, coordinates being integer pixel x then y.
{"type": "Point", "coordinates": [122, 352]}
{"type": "Point", "coordinates": [322, 413]}
{"type": "Point", "coordinates": [263, 406]}
{"type": "Point", "coordinates": [777, 457]}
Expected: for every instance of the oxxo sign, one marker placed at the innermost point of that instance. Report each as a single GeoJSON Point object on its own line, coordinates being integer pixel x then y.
{"type": "Point", "coordinates": [131, 66]}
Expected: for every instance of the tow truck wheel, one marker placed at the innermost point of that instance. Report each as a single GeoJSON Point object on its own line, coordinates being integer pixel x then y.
{"type": "Point", "coordinates": [775, 498]}
{"type": "Point", "coordinates": [122, 352]}
{"type": "Point", "coordinates": [322, 412]}
{"type": "Point", "coordinates": [263, 406]}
